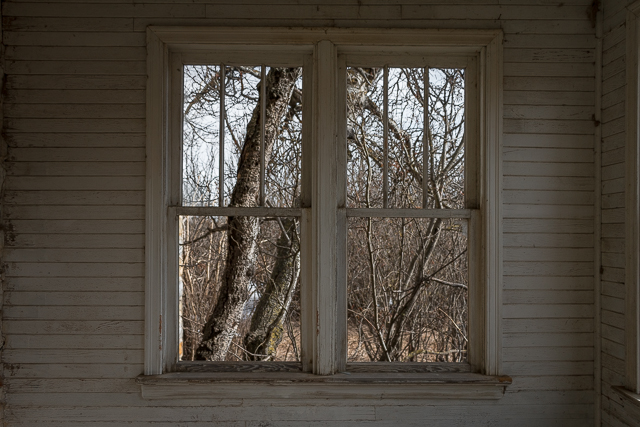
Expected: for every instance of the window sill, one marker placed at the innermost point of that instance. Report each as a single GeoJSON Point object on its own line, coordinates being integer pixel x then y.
{"type": "Point", "coordinates": [279, 385]}
{"type": "Point", "coordinates": [627, 396]}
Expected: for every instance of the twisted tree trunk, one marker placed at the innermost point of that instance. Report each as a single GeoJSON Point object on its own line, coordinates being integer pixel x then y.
{"type": "Point", "coordinates": [267, 321]}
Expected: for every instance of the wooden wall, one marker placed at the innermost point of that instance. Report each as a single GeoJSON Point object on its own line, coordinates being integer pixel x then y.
{"type": "Point", "coordinates": [614, 411]}
{"type": "Point", "coordinates": [74, 211]}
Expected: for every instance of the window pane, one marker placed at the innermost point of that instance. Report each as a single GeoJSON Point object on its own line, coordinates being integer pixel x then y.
{"type": "Point", "coordinates": [201, 127]}
{"type": "Point", "coordinates": [242, 135]}
{"type": "Point", "coordinates": [241, 276]}
{"type": "Point", "coordinates": [407, 290]}
{"type": "Point", "coordinates": [365, 133]}
{"type": "Point", "coordinates": [406, 162]}
{"type": "Point", "coordinates": [446, 142]}
{"type": "Point", "coordinates": [406, 129]}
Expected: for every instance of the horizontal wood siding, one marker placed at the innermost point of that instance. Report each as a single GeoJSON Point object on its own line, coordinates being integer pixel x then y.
{"type": "Point", "coordinates": [612, 298]}
{"type": "Point", "coordinates": [74, 212]}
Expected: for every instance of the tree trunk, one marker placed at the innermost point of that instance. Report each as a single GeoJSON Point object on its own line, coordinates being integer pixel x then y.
{"type": "Point", "coordinates": [267, 321]}
{"type": "Point", "coordinates": [222, 325]}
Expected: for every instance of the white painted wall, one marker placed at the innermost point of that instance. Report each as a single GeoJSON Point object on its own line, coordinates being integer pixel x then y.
{"type": "Point", "coordinates": [74, 211]}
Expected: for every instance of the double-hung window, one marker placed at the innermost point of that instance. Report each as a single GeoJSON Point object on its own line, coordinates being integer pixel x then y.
{"type": "Point", "coordinates": [323, 202]}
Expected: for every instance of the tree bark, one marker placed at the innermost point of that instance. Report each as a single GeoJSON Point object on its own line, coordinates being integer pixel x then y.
{"type": "Point", "coordinates": [222, 325]}
{"type": "Point", "coordinates": [267, 321]}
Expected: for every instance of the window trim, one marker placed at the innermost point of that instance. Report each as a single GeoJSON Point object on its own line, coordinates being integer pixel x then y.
{"type": "Point", "coordinates": [160, 328]}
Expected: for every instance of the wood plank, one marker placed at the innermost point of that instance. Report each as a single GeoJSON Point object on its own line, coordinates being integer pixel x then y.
{"type": "Point", "coordinates": [74, 313]}
{"type": "Point", "coordinates": [68, 327]}
{"type": "Point", "coordinates": [45, 299]}
{"type": "Point", "coordinates": [555, 383]}
{"type": "Point", "coordinates": [75, 198]}
{"type": "Point", "coordinates": [71, 284]}
{"type": "Point", "coordinates": [553, 41]}
{"type": "Point", "coordinates": [90, 10]}
{"type": "Point", "coordinates": [549, 155]}
{"type": "Point", "coordinates": [76, 370]}
{"type": "Point", "coordinates": [549, 368]}
{"type": "Point", "coordinates": [30, 23]}
{"type": "Point", "coordinates": [572, 127]}
{"type": "Point", "coordinates": [223, 413]}
{"type": "Point", "coordinates": [76, 82]}
{"type": "Point", "coordinates": [549, 69]}
{"type": "Point", "coordinates": [573, 112]}
{"type": "Point", "coordinates": [547, 240]}
{"type": "Point", "coordinates": [548, 141]}
{"type": "Point", "coordinates": [538, 296]}
{"type": "Point", "coordinates": [78, 226]}
{"type": "Point", "coordinates": [72, 53]}
{"type": "Point", "coordinates": [547, 311]}
{"type": "Point", "coordinates": [75, 341]}
{"type": "Point", "coordinates": [546, 211]}
{"type": "Point", "coordinates": [613, 216]}
{"type": "Point", "coordinates": [527, 97]}
{"type": "Point", "coordinates": [549, 353]}
{"type": "Point", "coordinates": [548, 283]}
{"type": "Point", "coordinates": [574, 84]}
{"type": "Point", "coordinates": [555, 339]}
{"type": "Point", "coordinates": [68, 269]}
{"type": "Point", "coordinates": [613, 97]}
{"type": "Point", "coordinates": [44, 240]}
{"type": "Point", "coordinates": [93, 154]}
{"type": "Point", "coordinates": [138, 68]}
{"type": "Point", "coordinates": [75, 111]}
{"type": "Point", "coordinates": [547, 225]}
{"type": "Point", "coordinates": [547, 325]}
{"type": "Point", "coordinates": [613, 112]}
{"type": "Point", "coordinates": [75, 125]}
{"type": "Point", "coordinates": [87, 183]}
{"type": "Point", "coordinates": [133, 168]}
{"type": "Point", "coordinates": [55, 356]}
{"type": "Point", "coordinates": [560, 183]}
{"type": "Point", "coordinates": [43, 96]}
{"type": "Point", "coordinates": [613, 246]}
{"type": "Point", "coordinates": [532, 197]}
{"type": "Point", "coordinates": [48, 38]}
{"type": "Point", "coordinates": [76, 140]}
{"type": "Point", "coordinates": [548, 254]}
{"type": "Point", "coordinates": [70, 385]}
{"type": "Point", "coordinates": [611, 201]}
{"type": "Point", "coordinates": [549, 55]}
{"type": "Point", "coordinates": [73, 255]}
{"type": "Point", "coordinates": [74, 212]}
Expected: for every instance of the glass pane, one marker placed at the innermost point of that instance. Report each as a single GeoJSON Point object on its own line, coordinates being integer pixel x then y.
{"type": "Point", "coordinates": [200, 138]}
{"type": "Point", "coordinates": [407, 290]}
{"type": "Point", "coordinates": [242, 136]}
{"type": "Point", "coordinates": [444, 162]}
{"type": "Point", "coordinates": [446, 148]}
{"type": "Point", "coordinates": [239, 288]}
{"type": "Point", "coordinates": [406, 129]}
{"type": "Point", "coordinates": [364, 137]}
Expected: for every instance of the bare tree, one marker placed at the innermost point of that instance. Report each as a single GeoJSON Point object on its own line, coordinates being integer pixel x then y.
{"type": "Point", "coordinates": [407, 279]}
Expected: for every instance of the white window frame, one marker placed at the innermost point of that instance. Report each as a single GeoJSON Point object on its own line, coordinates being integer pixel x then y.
{"type": "Point", "coordinates": [325, 287]}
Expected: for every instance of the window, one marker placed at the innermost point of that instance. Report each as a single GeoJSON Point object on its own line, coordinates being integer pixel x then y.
{"type": "Point", "coordinates": [347, 177]}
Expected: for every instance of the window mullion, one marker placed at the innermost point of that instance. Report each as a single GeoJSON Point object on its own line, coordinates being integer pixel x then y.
{"type": "Point", "coordinates": [324, 219]}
